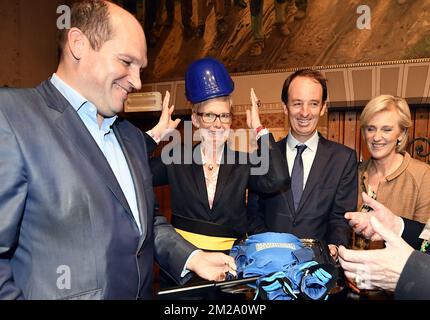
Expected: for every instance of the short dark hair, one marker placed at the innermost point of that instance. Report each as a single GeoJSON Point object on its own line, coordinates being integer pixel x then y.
{"type": "Point", "coordinates": [93, 19]}
{"type": "Point", "coordinates": [308, 73]}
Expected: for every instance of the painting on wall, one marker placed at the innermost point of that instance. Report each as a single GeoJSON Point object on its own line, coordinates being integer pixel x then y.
{"type": "Point", "coordinates": [258, 35]}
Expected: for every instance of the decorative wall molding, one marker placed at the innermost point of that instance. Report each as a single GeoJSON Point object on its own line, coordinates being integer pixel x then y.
{"type": "Point", "coordinates": [339, 66]}
{"type": "Point", "coordinates": [265, 108]}
{"type": "Point", "coordinates": [351, 86]}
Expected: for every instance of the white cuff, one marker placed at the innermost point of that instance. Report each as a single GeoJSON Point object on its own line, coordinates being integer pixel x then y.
{"type": "Point", "coordinates": [185, 271]}
{"type": "Point", "coordinates": [152, 135]}
{"type": "Point", "coordinates": [261, 133]}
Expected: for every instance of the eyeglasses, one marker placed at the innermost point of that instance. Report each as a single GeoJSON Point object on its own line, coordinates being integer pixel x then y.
{"type": "Point", "coordinates": [210, 117]}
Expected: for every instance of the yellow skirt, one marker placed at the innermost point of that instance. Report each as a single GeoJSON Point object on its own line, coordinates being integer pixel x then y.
{"type": "Point", "coordinates": [207, 242]}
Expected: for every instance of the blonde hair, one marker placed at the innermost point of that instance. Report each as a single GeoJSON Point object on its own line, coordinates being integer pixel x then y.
{"type": "Point", "coordinates": [387, 102]}
{"type": "Point", "coordinates": [195, 107]}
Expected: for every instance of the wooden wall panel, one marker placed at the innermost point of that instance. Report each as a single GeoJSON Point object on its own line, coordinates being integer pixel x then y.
{"type": "Point", "coordinates": [334, 124]}
{"type": "Point", "coordinates": [338, 93]}
{"type": "Point", "coordinates": [350, 129]}
{"type": "Point", "coordinates": [10, 74]}
{"type": "Point", "coordinates": [386, 83]}
{"type": "Point", "coordinates": [421, 130]}
{"type": "Point", "coordinates": [163, 197]}
{"type": "Point", "coordinates": [362, 84]}
{"type": "Point", "coordinates": [414, 88]}
{"type": "Point", "coordinates": [322, 124]}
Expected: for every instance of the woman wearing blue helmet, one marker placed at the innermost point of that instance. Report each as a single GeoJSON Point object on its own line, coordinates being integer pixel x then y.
{"type": "Point", "coordinates": [208, 196]}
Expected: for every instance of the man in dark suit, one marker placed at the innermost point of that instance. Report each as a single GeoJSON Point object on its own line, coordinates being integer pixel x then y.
{"type": "Point", "coordinates": [398, 267]}
{"type": "Point", "coordinates": [77, 210]}
{"type": "Point", "coordinates": [323, 173]}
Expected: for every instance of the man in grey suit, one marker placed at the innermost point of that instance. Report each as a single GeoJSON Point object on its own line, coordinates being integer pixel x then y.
{"type": "Point", "coordinates": [323, 173]}
{"type": "Point", "coordinates": [78, 218]}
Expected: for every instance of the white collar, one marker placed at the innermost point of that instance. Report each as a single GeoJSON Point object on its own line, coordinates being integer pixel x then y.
{"type": "Point", "coordinates": [311, 143]}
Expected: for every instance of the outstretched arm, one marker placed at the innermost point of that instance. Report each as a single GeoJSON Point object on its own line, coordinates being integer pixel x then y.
{"type": "Point", "coordinates": [269, 171]}
{"type": "Point", "coordinates": [165, 124]}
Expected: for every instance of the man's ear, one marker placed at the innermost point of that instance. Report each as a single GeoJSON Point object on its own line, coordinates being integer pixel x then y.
{"type": "Point", "coordinates": [195, 121]}
{"type": "Point", "coordinates": [285, 109]}
{"type": "Point", "coordinates": [323, 109]}
{"type": "Point", "coordinates": [76, 43]}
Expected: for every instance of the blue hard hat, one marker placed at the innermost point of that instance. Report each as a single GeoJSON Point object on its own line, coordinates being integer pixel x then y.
{"type": "Point", "coordinates": [205, 79]}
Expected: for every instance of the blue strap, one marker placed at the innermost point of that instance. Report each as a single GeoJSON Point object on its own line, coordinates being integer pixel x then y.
{"type": "Point", "coordinates": [314, 284]}
{"type": "Point", "coordinates": [275, 286]}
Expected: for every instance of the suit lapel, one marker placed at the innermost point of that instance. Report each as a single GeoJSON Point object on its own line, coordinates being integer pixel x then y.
{"type": "Point", "coordinates": [223, 176]}
{"type": "Point", "coordinates": [136, 169]}
{"type": "Point", "coordinates": [288, 195]}
{"type": "Point", "coordinates": [318, 166]}
{"type": "Point", "coordinates": [199, 176]}
{"type": "Point", "coordinates": [71, 125]}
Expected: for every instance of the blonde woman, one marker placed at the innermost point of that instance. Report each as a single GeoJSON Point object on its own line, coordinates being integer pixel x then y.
{"type": "Point", "coordinates": [208, 196]}
{"type": "Point", "coordinates": [398, 181]}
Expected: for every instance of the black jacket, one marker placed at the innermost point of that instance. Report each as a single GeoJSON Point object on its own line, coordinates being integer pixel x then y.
{"type": "Point", "coordinates": [227, 218]}
{"type": "Point", "coordinates": [330, 191]}
{"type": "Point", "coordinates": [414, 282]}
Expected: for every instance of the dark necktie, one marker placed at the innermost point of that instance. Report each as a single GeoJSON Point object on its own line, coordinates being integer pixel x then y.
{"type": "Point", "coordinates": [297, 176]}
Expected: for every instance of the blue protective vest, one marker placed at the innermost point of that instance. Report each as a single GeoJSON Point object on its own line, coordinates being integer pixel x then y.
{"type": "Point", "coordinates": [285, 266]}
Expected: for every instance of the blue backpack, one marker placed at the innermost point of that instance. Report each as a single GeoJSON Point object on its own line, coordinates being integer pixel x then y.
{"type": "Point", "coordinates": [286, 267]}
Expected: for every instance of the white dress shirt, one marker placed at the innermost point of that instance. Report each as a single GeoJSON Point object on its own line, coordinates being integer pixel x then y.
{"type": "Point", "coordinates": [105, 139]}
{"type": "Point", "coordinates": [308, 154]}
